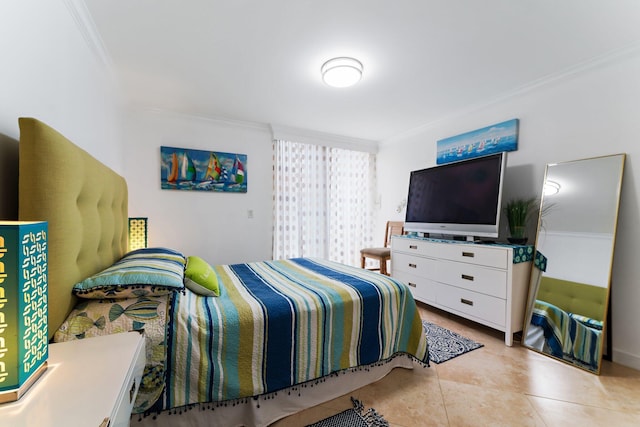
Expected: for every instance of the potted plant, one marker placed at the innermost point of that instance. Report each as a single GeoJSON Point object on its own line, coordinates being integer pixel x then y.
{"type": "Point", "coordinates": [518, 212]}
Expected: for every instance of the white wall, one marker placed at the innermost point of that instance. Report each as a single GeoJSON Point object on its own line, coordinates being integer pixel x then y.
{"type": "Point", "coordinates": [50, 71]}
{"type": "Point", "coordinates": [593, 112]}
{"type": "Point", "coordinates": [577, 257]}
{"type": "Point", "coordinates": [214, 226]}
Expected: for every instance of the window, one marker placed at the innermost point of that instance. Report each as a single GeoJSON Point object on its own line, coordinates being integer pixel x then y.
{"type": "Point", "coordinates": [323, 201]}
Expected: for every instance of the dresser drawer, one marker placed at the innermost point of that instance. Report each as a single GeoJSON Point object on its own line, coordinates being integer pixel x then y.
{"type": "Point", "coordinates": [413, 246]}
{"type": "Point", "coordinates": [475, 254]}
{"type": "Point", "coordinates": [421, 288]}
{"type": "Point", "coordinates": [479, 306]}
{"type": "Point", "coordinates": [414, 264]}
{"type": "Point", "coordinates": [488, 281]}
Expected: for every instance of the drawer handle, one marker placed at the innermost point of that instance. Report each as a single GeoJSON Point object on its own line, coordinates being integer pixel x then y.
{"type": "Point", "coordinates": [413, 285]}
{"type": "Point", "coordinates": [467, 277]}
{"type": "Point", "coordinates": [132, 392]}
{"type": "Point", "coordinates": [468, 254]}
{"type": "Point", "coordinates": [466, 301]}
{"type": "Point", "coordinates": [412, 265]}
{"type": "Point", "coordinates": [413, 246]}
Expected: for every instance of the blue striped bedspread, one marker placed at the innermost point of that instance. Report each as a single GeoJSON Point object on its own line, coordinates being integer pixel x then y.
{"type": "Point", "coordinates": [281, 323]}
{"type": "Point", "coordinates": [568, 336]}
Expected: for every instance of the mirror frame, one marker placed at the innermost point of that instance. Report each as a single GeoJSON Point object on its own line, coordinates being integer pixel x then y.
{"type": "Point", "coordinates": [537, 273]}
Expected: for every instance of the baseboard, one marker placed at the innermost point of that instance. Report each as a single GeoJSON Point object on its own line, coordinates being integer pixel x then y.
{"type": "Point", "coordinates": [626, 359]}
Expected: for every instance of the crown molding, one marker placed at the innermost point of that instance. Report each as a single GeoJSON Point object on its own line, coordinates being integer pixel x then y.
{"type": "Point", "coordinates": [609, 58]}
{"type": "Point", "coordinates": [87, 27]}
{"type": "Point", "coordinates": [219, 120]}
{"type": "Point", "coordinates": [321, 138]}
{"type": "Point", "coordinates": [277, 131]}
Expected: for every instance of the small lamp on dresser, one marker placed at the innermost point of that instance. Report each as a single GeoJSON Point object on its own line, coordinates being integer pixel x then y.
{"type": "Point", "coordinates": [24, 345]}
{"type": "Point", "coordinates": [137, 233]}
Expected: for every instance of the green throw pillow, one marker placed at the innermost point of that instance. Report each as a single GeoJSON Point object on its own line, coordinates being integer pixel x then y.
{"type": "Point", "coordinates": [200, 277]}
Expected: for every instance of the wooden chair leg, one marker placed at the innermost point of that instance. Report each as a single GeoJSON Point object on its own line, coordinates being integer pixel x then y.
{"type": "Point", "coordinates": [383, 266]}
{"type": "Point", "coordinates": [362, 260]}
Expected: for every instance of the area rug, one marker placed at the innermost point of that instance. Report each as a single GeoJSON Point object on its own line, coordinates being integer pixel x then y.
{"type": "Point", "coordinates": [354, 417]}
{"type": "Point", "coordinates": [445, 344]}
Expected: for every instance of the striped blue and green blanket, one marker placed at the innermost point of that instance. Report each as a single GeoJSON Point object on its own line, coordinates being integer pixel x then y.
{"type": "Point", "coordinates": [281, 323]}
{"type": "Point", "coordinates": [569, 336]}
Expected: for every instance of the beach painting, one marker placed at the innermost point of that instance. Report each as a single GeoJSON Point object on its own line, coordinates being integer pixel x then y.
{"type": "Point", "coordinates": [201, 170]}
{"type": "Point", "coordinates": [481, 142]}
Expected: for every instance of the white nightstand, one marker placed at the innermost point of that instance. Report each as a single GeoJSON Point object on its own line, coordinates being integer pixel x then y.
{"type": "Point", "coordinates": [89, 383]}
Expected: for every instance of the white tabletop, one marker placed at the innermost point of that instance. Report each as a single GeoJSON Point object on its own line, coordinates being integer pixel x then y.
{"type": "Point", "coordinates": [81, 386]}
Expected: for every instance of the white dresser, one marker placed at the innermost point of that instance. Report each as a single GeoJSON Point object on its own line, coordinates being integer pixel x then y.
{"type": "Point", "coordinates": [91, 382]}
{"type": "Point", "coordinates": [486, 283]}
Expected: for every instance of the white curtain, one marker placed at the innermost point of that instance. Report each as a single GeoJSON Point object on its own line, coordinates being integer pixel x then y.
{"type": "Point", "coordinates": [323, 202]}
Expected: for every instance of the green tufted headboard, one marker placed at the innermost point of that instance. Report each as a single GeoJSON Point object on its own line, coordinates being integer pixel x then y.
{"type": "Point", "coordinates": [573, 297]}
{"type": "Point", "coordinates": [84, 203]}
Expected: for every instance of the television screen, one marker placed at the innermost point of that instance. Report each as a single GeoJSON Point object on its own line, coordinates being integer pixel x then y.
{"type": "Point", "coordinates": [461, 198]}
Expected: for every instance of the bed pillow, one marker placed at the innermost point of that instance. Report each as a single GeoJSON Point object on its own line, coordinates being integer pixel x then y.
{"type": "Point", "coordinates": [587, 321]}
{"type": "Point", "coordinates": [94, 318]}
{"type": "Point", "coordinates": [144, 272]}
{"type": "Point", "coordinates": [200, 278]}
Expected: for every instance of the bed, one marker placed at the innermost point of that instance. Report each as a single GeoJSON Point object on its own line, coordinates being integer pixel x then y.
{"type": "Point", "coordinates": [281, 335]}
{"type": "Point", "coordinates": [567, 321]}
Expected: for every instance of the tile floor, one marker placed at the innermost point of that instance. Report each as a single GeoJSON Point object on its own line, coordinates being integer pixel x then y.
{"type": "Point", "coordinates": [495, 385]}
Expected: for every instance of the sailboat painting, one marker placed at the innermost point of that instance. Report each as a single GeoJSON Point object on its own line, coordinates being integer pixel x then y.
{"type": "Point", "coordinates": [481, 142]}
{"type": "Point", "coordinates": [200, 170]}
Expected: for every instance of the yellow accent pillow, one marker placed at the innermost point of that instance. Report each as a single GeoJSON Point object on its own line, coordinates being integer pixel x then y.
{"type": "Point", "coordinates": [200, 277]}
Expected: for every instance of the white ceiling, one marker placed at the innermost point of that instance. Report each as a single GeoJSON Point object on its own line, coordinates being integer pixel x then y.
{"type": "Point", "coordinates": [424, 60]}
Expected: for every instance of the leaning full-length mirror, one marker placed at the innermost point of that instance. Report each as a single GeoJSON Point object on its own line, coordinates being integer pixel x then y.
{"type": "Point", "coordinates": [569, 291]}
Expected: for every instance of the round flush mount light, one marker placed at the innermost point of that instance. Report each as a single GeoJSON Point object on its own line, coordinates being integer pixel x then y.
{"type": "Point", "coordinates": [341, 72]}
{"type": "Point", "coordinates": [551, 188]}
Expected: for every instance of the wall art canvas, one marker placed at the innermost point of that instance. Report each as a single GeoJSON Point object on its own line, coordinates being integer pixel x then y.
{"type": "Point", "coordinates": [481, 142]}
{"type": "Point", "coordinates": [200, 170]}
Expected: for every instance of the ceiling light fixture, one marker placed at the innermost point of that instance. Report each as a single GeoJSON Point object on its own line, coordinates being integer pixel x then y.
{"type": "Point", "coordinates": [551, 188]}
{"type": "Point", "coordinates": [341, 72]}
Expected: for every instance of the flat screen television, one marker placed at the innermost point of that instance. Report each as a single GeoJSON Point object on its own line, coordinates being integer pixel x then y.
{"type": "Point", "coordinates": [461, 199]}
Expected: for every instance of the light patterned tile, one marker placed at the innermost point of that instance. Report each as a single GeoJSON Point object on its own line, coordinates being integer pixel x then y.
{"type": "Point", "coordinates": [559, 413]}
{"type": "Point", "coordinates": [471, 405]}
